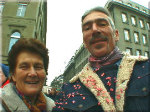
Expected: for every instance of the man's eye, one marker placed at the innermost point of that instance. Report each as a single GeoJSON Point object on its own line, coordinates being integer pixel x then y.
{"type": "Point", "coordinates": [85, 28]}
{"type": "Point", "coordinates": [102, 24]}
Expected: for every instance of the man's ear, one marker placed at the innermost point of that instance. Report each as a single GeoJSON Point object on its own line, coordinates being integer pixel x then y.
{"type": "Point", "coordinates": [116, 35]}
{"type": "Point", "coordinates": [84, 45]}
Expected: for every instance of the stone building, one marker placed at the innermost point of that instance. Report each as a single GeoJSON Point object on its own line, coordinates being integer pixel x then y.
{"type": "Point", "coordinates": [21, 19]}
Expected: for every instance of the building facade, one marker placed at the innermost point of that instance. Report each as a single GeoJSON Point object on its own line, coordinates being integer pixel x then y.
{"type": "Point", "coordinates": [21, 19]}
{"type": "Point", "coordinates": [132, 21]}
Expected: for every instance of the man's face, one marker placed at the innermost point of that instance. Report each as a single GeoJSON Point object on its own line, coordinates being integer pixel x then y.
{"type": "Point", "coordinates": [98, 35]}
{"type": "Point", "coordinates": [29, 73]}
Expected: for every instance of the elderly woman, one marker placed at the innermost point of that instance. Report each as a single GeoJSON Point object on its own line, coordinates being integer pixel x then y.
{"type": "Point", "coordinates": [28, 63]}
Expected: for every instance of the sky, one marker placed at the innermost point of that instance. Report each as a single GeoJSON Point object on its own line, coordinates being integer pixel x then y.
{"type": "Point", "coordinates": [64, 34]}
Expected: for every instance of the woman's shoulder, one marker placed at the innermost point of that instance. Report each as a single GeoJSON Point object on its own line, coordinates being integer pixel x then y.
{"type": "Point", "coordinates": [50, 103]}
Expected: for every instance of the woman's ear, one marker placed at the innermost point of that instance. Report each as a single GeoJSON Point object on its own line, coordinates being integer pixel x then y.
{"type": "Point", "coordinates": [13, 77]}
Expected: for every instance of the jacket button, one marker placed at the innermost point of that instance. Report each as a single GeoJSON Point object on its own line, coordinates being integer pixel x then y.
{"type": "Point", "coordinates": [80, 106]}
{"type": "Point", "coordinates": [144, 89]}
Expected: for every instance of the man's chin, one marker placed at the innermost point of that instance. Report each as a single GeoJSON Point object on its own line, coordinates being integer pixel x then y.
{"type": "Point", "coordinates": [99, 52]}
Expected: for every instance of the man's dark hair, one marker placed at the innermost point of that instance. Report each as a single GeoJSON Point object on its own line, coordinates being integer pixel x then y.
{"type": "Point", "coordinates": [31, 45]}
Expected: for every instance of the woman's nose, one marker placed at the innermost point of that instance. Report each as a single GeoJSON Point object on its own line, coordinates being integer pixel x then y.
{"type": "Point", "coordinates": [32, 72]}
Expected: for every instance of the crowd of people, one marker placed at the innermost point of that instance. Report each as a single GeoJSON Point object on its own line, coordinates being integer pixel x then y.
{"type": "Point", "coordinates": [111, 81]}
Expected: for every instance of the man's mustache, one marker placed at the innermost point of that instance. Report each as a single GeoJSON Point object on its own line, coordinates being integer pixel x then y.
{"type": "Point", "coordinates": [98, 36]}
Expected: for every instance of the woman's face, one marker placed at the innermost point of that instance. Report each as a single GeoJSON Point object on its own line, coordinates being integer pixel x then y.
{"type": "Point", "coordinates": [29, 74]}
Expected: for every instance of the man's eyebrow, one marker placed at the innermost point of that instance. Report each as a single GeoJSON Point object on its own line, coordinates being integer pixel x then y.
{"type": "Point", "coordinates": [90, 21]}
{"type": "Point", "coordinates": [102, 19]}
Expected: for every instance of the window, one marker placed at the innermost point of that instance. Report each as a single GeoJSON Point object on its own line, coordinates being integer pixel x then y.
{"type": "Point", "coordinates": [141, 24]}
{"type": "Point", "coordinates": [133, 20]}
{"type": "Point", "coordinates": [1, 7]}
{"type": "Point", "coordinates": [126, 35]}
{"type": "Point", "coordinates": [124, 17]}
{"type": "Point", "coordinates": [144, 10]}
{"type": "Point", "coordinates": [138, 52]}
{"type": "Point", "coordinates": [144, 39]}
{"type": "Point", "coordinates": [120, 1]}
{"type": "Point", "coordinates": [148, 26]}
{"type": "Point", "coordinates": [136, 37]}
{"type": "Point", "coordinates": [129, 51]}
{"type": "Point", "coordinates": [146, 54]}
{"type": "Point", "coordinates": [137, 7]}
{"type": "Point", "coordinates": [21, 9]}
{"type": "Point", "coordinates": [13, 39]}
{"type": "Point", "coordinates": [130, 4]}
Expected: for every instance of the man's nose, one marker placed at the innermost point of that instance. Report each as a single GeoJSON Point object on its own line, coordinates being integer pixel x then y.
{"type": "Point", "coordinates": [32, 72]}
{"type": "Point", "coordinates": [96, 30]}
{"type": "Point", "coordinates": [95, 27]}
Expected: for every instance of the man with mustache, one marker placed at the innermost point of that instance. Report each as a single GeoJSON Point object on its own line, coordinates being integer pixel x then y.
{"type": "Point", "coordinates": [111, 81]}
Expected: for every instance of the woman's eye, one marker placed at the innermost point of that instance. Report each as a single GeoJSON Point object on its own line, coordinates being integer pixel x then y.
{"type": "Point", "coordinates": [39, 67]}
{"type": "Point", "coordinates": [23, 67]}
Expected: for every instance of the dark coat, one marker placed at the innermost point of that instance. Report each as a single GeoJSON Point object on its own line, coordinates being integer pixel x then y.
{"type": "Point", "coordinates": [78, 98]}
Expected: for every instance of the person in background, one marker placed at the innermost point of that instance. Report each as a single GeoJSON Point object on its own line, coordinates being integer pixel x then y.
{"type": "Point", "coordinates": [111, 81]}
{"type": "Point", "coordinates": [4, 75]}
{"type": "Point", "coordinates": [52, 93]}
{"type": "Point", "coordinates": [28, 63]}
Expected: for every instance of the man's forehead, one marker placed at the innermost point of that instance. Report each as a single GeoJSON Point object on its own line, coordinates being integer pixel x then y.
{"type": "Point", "coordinates": [95, 15]}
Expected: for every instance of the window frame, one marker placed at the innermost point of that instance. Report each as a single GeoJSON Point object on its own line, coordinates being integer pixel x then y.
{"type": "Point", "coordinates": [128, 31]}
{"type": "Point", "coordinates": [144, 40]}
{"type": "Point", "coordinates": [13, 39]}
{"type": "Point", "coordinates": [141, 22]}
{"type": "Point", "coordinates": [139, 52]}
{"type": "Point", "coordinates": [137, 37]}
{"type": "Point", "coordinates": [124, 17]}
{"type": "Point", "coordinates": [146, 52]}
{"type": "Point", "coordinates": [148, 25]}
{"type": "Point", "coordinates": [129, 49]}
{"type": "Point", "coordinates": [21, 9]}
{"type": "Point", "coordinates": [2, 4]}
{"type": "Point", "coordinates": [133, 21]}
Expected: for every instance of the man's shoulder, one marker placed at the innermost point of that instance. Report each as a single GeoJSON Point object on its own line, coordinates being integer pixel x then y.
{"type": "Point", "coordinates": [71, 85]}
{"type": "Point", "coordinates": [145, 63]}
